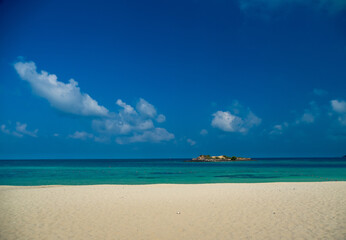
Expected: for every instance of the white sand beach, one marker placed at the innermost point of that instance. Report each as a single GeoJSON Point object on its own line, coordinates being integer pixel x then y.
{"type": "Point", "coordinates": [196, 211]}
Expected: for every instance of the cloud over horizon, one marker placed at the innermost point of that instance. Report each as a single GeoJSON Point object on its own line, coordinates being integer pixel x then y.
{"type": "Point", "coordinates": [81, 135]}
{"type": "Point", "coordinates": [153, 135]}
{"type": "Point", "coordinates": [240, 120]}
{"type": "Point", "coordinates": [139, 123]}
{"type": "Point", "coordinates": [310, 115]}
{"type": "Point", "coordinates": [328, 117]}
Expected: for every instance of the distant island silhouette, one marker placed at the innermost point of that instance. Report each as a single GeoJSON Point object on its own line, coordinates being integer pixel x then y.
{"type": "Point", "coordinates": [221, 158]}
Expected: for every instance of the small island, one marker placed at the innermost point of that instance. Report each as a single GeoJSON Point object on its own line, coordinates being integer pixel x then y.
{"type": "Point", "coordinates": [222, 158]}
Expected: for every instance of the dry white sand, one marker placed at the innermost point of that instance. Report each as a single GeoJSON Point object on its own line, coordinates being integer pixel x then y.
{"type": "Point", "coordinates": [209, 211]}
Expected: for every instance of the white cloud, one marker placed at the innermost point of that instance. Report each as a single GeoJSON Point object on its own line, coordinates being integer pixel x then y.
{"type": "Point", "coordinates": [252, 120]}
{"type": "Point", "coordinates": [227, 122]}
{"type": "Point", "coordinates": [278, 129]}
{"type": "Point", "coordinates": [191, 142]}
{"type": "Point", "coordinates": [161, 118]}
{"type": "Point", "coordinates": [65, 97]}
{"type": "Point", "coordinates": [308, 118]}
{"type": "Point", "coordinates": [145, 108]}
{"type": "Point", "coordinates": [203, 132]}
{"type": "Point", "coordinates": [129, 122]}
{"type": "Point", "coordinates": [4, 129]}
{"type": "Point", "coordinates": [153, 135]}
{"type": "Point", "coordinates": [136, 124]}
{"type": "Point", "coordinates": [20, 130]}
{"type": "Point", "coordinates": [81, 135]}
{"type": "Point", "coordinates": [16, 134]}
{"type": "Point", "coordinates": [144, 125]}
{"type": "Point", "coordinates": [310, 114]}
{"type": "Point", "coordinates": [339, 107]}
{"type": "Point", "coordinates": [342, 119]}
{"type": "Point", "coordinates": [240, 120]}
{"type": "Point", "coordinates": [127, 108]}
{"type": "Point", "coordinates": [112, 126]}
{"type": "Point", "coordinates": [331, 6]}
{"type": "Point", "coordinates": [101, 139]}
{"type": "Point", "coordinates": [317, 115]}
{"type": "Point", "coordinates": [320, 92]}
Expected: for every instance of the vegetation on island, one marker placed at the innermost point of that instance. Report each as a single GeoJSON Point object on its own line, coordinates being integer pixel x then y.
{"type": "Point", "coordinates": [221, 158]}
{"type": "Point", "coordinates": [218, 157]}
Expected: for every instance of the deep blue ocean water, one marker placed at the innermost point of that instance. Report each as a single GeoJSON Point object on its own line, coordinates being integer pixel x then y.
{"type": "Point", "coordinates": [153, 171]}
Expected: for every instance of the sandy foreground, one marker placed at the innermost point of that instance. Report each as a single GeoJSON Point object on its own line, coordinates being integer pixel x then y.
{"type": "Point", "coordinates": [196, 211]}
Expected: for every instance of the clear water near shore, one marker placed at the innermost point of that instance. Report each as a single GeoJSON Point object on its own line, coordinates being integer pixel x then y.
{"type": "Point", "coordinates": [154, 171]}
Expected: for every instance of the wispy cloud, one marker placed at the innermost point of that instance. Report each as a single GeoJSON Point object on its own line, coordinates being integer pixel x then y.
{"type": "Point", "coordinates": [65, 97]}
{"type": "Point", "coordinates": [320, 92]}
{"type": "Point", "coordinates": [20, 130]}
{"type": "Point", "coordinates": [191, 142]}
{"type": "Point", "coordinates": [139, 123]}
{"type": "Point", "coordinates": [203, 132]}
{"type": "Point", "coordinates": [152, 135]}
{"type": "Point", "coordinates": [278, 129]}
{"type": "Point", "coordinates": [310, 114]}
{"type": "Point", "coordinates": [329, 118]}
{"type": "Point", "coordinates": [308, 117]}
{"type": "Point", "coordinates": [81, 135]}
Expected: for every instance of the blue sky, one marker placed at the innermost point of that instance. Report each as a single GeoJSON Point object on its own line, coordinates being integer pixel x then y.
{"type": "Point", "coordinates": [142, 79]}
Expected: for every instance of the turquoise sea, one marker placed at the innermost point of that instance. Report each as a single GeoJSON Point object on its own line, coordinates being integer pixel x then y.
{"type": "Point", "coordinates": [154, 171]}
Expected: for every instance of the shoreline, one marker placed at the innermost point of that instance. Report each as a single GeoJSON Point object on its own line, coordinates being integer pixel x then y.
{"type": "Point", "coordinates": [282, 210]}
{"type": "Point", "coordinates": [163, 184]}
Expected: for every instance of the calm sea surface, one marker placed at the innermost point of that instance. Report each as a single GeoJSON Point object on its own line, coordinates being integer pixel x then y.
{"type": "Point", "coordinates": [151, 171]}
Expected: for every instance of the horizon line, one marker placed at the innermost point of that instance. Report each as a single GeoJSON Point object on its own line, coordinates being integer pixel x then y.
{"type": "Point", "coordinates": [158, 158]}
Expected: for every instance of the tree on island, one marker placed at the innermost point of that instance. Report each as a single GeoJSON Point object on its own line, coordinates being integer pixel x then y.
{"type": "Point", "coordinates": [208, 158]}
{"type": "Point", "coordinates": [232, 158]}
